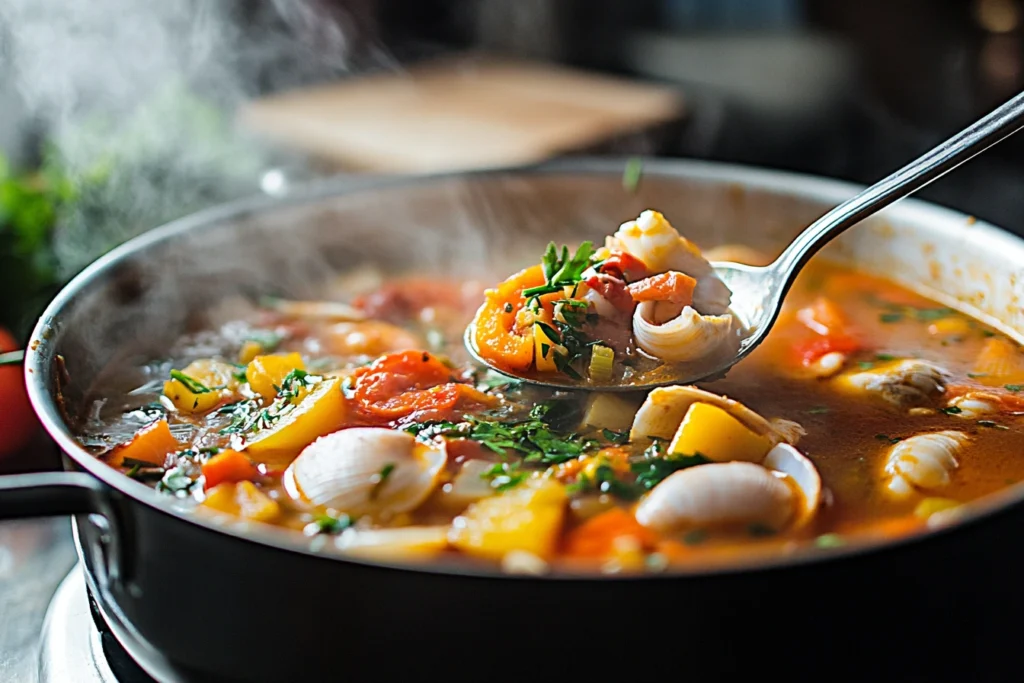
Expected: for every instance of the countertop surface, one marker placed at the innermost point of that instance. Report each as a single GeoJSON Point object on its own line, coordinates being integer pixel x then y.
{"type": "Point", "coordinates": [35, 555]}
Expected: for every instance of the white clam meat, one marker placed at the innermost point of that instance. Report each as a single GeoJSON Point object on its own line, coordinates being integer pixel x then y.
{"type": "Point", "coordinates": [905, 383]}
{"type": "Point", "coordinates": [688, 336]}
{"type": "Point", "coordinates": [367, 471]}
{"type": "Point", "coordinates": [925, 461]}
{"type": "Point", "coordinates": [665, 407]}
{"type": "Point", "coordinates": [653, 240]}
{"type": "Point", "coordinates": [785, 490]}
{"type": "Point", "coordinates": [975, 404]}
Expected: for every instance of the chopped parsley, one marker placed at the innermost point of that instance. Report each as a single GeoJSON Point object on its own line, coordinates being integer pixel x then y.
{"type": "Point", "coordinates": [656, 465]}
{"type": "Point", "coordinates": [818, 410]}
{"type": "Point", "coordinates": [631, 176]}
{"type": "Point", "coordinates": [865, 365]}
{"type": "Point", "coordinates": [380, 478]}
{"type": "Point", "coordinates": [192, 384]}
{"type": "Point", "coordinates": [829, 541]}
{"type": "Point", "coordinates": [532, 437]}
{"type": "Point", "coordinates": [884, 356]}
{"type": "Point", "coordinates": [890, 439]}
{"type": "Point", "coordinates": [326, 524]}
{"type": "Point", "coordinates": [268, 340]}
{"type": "Point", "coordinates": [1014, 387]}
{"type": "Point", "coordinates": [247, 415]}
{"type": "Point", "coordinates": [560, 271]}
{"type": "Point", "coordinates": [990, 423]}
{"type": "Point", "coordinates": [614, 436]}
{"type": "Point", "coordinates": [976, 375]}
{"type": "Point", "coordinates": [952, 410]}
{"type": "Point", "coordinates": [177, 482]}
{"type": "Point", "coordinates": [606, 480]}
{"type": "Point", "coordinates": [891, 317]}
{"type": "Point", "coordinates": [505, 475]}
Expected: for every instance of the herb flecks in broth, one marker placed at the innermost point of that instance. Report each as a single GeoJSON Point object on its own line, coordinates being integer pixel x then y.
{"type": "Point", "coordinates": [811, 443]}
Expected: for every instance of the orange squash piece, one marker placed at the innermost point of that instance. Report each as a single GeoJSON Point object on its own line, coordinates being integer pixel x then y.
{"type": "Point", "coordinates": [596, 538]}
{"type": "Point", "coordinates": [150, 444]}
{"type": "Point", "coordinates": [229, 466]}
{"type": "Point", "coordinates": [499, 338]}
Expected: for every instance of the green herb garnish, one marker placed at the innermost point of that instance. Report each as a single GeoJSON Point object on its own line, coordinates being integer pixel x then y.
{"type": "Point", "coordinates": [952, 410]}
{"type": "Point", "coordinates": [818, 410]}
{"type": "Point", "coordinates": [192, 384]}
{"type": "Point", "coordinates": [176, 481]}
{"type": "Point", "coordinates": [1014, 387]}
{"type": "Point", "coordinates": [829, 541]}
{"type": "Point", "coordinates": [614, 436]}
{"type": "Point", "coordinates": [695, 537]}
{"type": "Point", "coordinates": [326, 524]}
{"type": "Point", "coordinates": [990, 423]}
{"type": "Point", "coordinates": [631, 176]}
{"type": "Point", "coordinates": [890, 439]}
{"type": "Point", "coordinates": [884, 356]}
{"type": "Point", "coordinates": [505, 475]}
{"type": "Point", "coordinates": [606, 480]}
{"type": "Point", "coordinates": [891, 317]}
{"type": "Point", "coordinates": [560, 271]}
{"type": "Point", "coordinates": [381, 478]}
{"type": "Point", "coordinates": [656, 465]}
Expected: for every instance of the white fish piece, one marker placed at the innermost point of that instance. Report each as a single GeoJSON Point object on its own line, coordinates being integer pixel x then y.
{"type": "Point", "coordinates": [687, 337]}
{"type": "Point", "coordinates": [925, 461]}
{"type": "Point", "coordinates": [665, 407]}
{"type": "Point", "coordinates": [653, 240]}
{"type": "Point", "coordinates": [367, 471]}
{"type": "Point", "coordinates": [905, 383]}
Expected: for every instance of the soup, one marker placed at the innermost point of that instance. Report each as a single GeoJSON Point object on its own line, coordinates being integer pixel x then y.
{"type": "Point", "coordinates": [868, 414]}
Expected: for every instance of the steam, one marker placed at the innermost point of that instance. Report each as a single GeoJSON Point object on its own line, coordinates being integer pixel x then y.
{"type": "Point", "coordinates": [137, 99]}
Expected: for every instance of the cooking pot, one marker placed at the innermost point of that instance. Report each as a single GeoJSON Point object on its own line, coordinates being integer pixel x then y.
{"type": "Point", "coordinates": [196, 599]}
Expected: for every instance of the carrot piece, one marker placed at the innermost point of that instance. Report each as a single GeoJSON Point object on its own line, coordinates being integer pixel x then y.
{"type": "Point", "coordinates": [499, 337]}
{"type": "Point", "coordinates": [150, 444]}
{"type": "Point", "coordinates": [229, 466]}
{"type": "Point", "coordinates": [597, 536]}
{"type": "Point", "coordinates": [671, 286]}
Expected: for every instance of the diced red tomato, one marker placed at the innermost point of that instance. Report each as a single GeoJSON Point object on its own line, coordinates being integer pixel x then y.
{"type": "Point", "coordinates": [18, 424]}
{"type": "Point", "coordinates": [671, 286]}
{"type": "Point", "coordinates": [613, 290]}
{"type": "Point", "coordinates": [624, 266]}
{"type": "Point", "coordinates": [813, 349]}
{"type": "Point", "coordinates": [410, 383]}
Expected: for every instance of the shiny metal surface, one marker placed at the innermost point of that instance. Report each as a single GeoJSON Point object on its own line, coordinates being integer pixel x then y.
{"type": "Point", "coordinates": [758, 292]}
{"type": "Point", "coordinates": [71, 648]}
{"type": "Point", "coordinates": [35, 556]}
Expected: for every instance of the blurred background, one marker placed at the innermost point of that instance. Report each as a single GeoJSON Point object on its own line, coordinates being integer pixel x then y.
{"type": "Point", "coordinates": [119, 115]}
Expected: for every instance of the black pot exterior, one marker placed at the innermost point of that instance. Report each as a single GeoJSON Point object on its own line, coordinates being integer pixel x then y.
{"type": "Point", "coordinates": [225, 609]}
{"type": "Point", "coordinates": [194, 603]}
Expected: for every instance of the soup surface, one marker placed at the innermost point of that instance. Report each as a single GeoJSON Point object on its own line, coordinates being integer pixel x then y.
{"type": "Point", "coordinates": [869, 413]}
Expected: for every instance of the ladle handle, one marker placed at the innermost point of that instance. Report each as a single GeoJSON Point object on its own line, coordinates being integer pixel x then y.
{"type": "Point", "coordinates": [968, 143]}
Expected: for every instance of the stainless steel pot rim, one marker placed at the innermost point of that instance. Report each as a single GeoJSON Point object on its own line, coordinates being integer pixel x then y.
{"type": "Point", "coordinates": [39, 357]}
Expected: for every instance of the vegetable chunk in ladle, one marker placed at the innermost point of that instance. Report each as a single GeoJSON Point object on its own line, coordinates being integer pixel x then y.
{"type": "Point", "coordinates": [647, 309]}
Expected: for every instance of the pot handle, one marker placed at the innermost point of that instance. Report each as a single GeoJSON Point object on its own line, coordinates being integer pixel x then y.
{"type": "Point", "coordinates": [51, 494]}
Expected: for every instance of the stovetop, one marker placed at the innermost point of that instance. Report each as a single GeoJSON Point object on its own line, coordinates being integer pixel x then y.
{"type": "Point", "coordinates": [48, 628]}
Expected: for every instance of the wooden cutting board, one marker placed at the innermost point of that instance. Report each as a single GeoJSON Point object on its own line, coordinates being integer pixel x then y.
{"type": "Point", "coordinates": [463, 113]}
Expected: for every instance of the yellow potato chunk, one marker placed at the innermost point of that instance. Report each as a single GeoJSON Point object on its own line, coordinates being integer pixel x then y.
{"type": "Point", "coordinates": [322, 411]}
{"type": "Point", "coordinates": [265, 373]}
{"type": "Point", "coordinates": [528, 518]}
{"type": "Point", "coordinates": [242, 499]}
{"type": "Point", "coordinates": [541, 341]}
{"type": "Point", "coordinates": [929, 506]}
{"type": "Point", "coordinates": [214, 375]}
{"type": "Point", "coordinates": [404, 543]}
{"type": "Point", "coordinates": [718, 436]}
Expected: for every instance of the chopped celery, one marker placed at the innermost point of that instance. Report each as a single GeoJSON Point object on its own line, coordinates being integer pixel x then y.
{"type": "Point", "coordinates": [602, 359]}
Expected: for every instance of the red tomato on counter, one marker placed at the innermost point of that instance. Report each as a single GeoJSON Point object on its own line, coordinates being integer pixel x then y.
{"type": "Point", "coordinates": [18, 423]}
